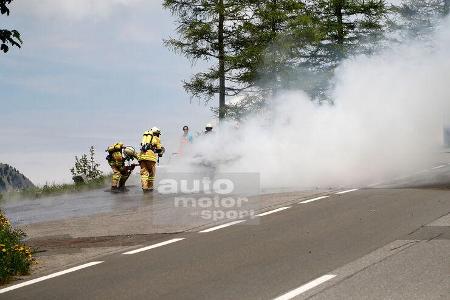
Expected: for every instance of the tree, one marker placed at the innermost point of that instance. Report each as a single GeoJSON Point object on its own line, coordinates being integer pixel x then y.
{"type": "Point", "coordinates": [11, 37]}
{"type": "Point", "coordinates": [279, 31]}
{"type": "Point", "coordinates": [346, 26]}
{"type": "Point", "coordinates": [210, 31]}
{"type": "Point", "coordinates": [274, 33]}
{"type": "Point", "coordinates": [297, 44]}
{"type": "Point", "coordinates": [260, 46]}
{"type": "Point", "coordinates": [419, 17]}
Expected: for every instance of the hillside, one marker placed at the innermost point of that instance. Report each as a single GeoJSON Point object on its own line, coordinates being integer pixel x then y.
{"type": "Point", "coordinates": [11, 179]}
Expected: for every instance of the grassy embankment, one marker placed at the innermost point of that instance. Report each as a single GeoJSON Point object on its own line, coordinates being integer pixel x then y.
{"type": "Point", "coordinates": [57, 189]}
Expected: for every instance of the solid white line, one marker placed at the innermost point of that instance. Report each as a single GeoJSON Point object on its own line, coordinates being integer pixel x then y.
{"type": "Point", "coordinates": [438, 167]}
{"type": "Point", "coordinates": [221, 226]}
{"type": "Point", "coordinates": [305, 288]}
{"type": "Point", "coordinates": [347, 191]}
{"type": "Point", "coordinates": [16, 286]}
{"type": "Point", "coordinates": [314, 199]}
{"type": "Point", "coordinates": [273, 211]}
{"type": "Point", "coordinates": [153, 246]}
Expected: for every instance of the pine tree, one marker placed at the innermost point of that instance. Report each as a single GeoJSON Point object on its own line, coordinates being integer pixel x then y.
{"type": "Point", "coordinates": [346, 25]}
{"type": "Point", "coordinates": [419, 17]}
{"type": "Point", "coordinates": [261, 46]}
{"type": "Point", "coordinates": [209, 31]}
{"type": "Point", "coordinates": [279, 30]}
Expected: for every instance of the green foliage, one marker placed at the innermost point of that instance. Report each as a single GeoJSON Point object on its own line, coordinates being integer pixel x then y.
{"type": "Point", "coordinates": [418, 17]}
{"type": "Point", "coordinates": [86, 166]}
{"type": "Point", "coordinates": [346, 26]}
{"type": "Point", "coordinates": [15, 257]}
{"type": "Point", "coordinates": [278, 32]}
{"type": "Point", "coordinates": [11, 37]}
{"type": "Point", "coordinates": [261, 46]}
{"type": "Point", "coordinates": [249, 104]}
{"type": "Point", "coordinates": [211, 31]}
{"type": "Point", "coordinates": [57, 189]}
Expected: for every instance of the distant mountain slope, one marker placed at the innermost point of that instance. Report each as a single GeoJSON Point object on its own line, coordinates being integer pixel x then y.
{"type": "Point", "coordinates": [11, 179]}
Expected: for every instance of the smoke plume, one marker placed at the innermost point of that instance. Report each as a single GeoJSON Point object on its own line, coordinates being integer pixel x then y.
{"type": "Point", "coordinates": [387, 120]}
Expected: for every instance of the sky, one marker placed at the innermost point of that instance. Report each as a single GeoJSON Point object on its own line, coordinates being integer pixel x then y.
{"type": "Point", "coordinates": [89, 73]}
{"type": "Point", "coordinates": [96, 72]}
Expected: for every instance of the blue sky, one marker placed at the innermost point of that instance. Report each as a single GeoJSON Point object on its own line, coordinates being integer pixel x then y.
{"type": "Point", "coordinates": [89, 73]}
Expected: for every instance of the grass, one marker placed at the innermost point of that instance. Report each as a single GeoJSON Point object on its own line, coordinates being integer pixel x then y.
{"type": "Point", "coordinates": [58, 189]}
{"type": "Point", "coordinates": [15, 257]}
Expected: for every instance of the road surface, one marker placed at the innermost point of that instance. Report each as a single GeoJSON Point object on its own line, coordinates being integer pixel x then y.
{"type": "Point", "coordinates": [360, 244]}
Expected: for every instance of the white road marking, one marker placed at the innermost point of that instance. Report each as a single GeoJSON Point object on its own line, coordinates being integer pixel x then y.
{"type": "Point", "coordinates": [347, 191]}
{"type": "Point", "coordinates": [221, 226]}
{"type": "Point", "coordinates": [273, 211]}
{"type": "Point", "coordinates": [16, 286]}
{"type": "Point", "coordinates": [153, 246]}
{"type": "Point", "coordinates": [306, 287]}
{"type": "Point", "coordinates": [314, 199]}
{"type": "Point", "coordinates": [438, 167]}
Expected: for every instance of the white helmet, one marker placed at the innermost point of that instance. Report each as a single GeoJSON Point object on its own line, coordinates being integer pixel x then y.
{"type": "Point", "coordinates": [155, 130]}
{"type": "Point", "coordinates": [129, 151]}
{"type": "Point", "coordinates": [208, 126]}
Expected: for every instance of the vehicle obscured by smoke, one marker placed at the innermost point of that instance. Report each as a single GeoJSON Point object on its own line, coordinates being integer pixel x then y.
{"type": "Point", "coordinates": [387, 120]}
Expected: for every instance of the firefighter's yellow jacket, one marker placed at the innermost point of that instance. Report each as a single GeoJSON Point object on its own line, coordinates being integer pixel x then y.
{"type": "Point", "coordinates": [150, 147]}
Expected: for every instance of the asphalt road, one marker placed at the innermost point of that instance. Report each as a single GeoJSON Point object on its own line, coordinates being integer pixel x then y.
{"type": "Point", "coordinates": [369, 244]}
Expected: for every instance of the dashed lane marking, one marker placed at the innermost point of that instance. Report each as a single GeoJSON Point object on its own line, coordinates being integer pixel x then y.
{"type": "Point", "coordinates": [153, 246]}
{"type": "Point", "coordinates": [347, 191]}
{"type": "Point", "coordinates": [273, 211]}
{"type": "Point", "coordinates": [16, 286]}
{"type": "Point", "coordinates": [314, 199]}
{"type": "Point", "coordinates": [221, 226]}
{"type": "Point", "coordinates": [306, 287]}
{"type": "Point", "coordinates": [438, 167]}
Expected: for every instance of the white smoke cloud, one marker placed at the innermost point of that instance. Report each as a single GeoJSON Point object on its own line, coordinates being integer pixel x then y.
{"type": "Point", "coordinates": [387, 121]}
{"type": "Point", "coordinates": [73, 9]}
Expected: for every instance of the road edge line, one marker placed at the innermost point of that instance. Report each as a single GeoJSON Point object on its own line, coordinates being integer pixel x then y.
{"type": "Point", "coordinates": [33, 281]}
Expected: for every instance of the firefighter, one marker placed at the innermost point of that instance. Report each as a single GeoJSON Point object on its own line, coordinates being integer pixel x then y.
{"type": "Point", "coordinates": [151, 151]}
{"type": "Point", "coordinates": [118, 156]}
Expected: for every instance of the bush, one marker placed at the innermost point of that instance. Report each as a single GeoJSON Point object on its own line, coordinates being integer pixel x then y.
{"type": "Point", "coordinates": [15, 257]}
{"type": "Point", "coordinates": [87, 167]}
